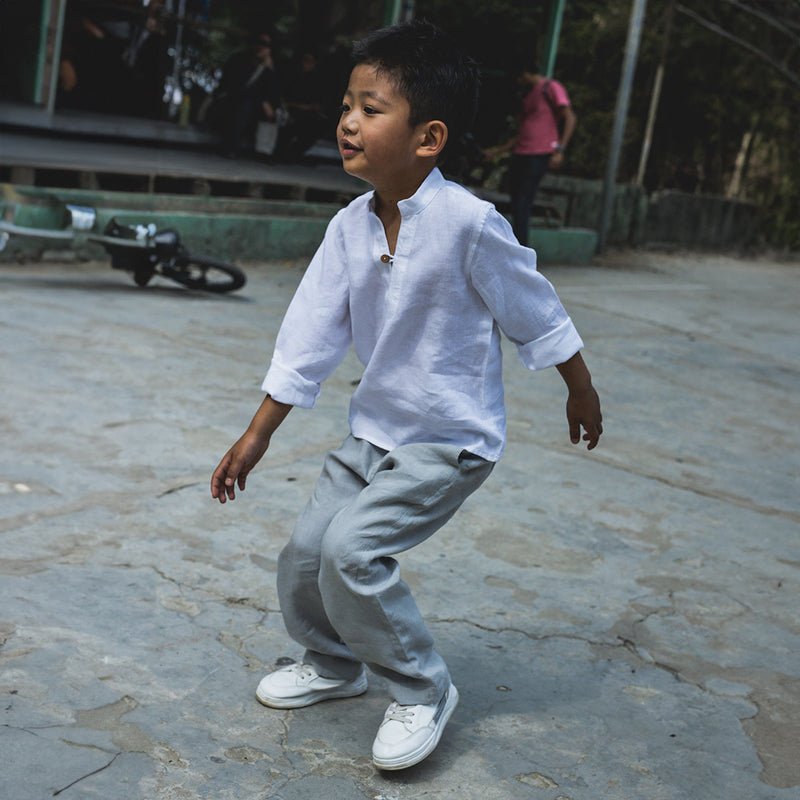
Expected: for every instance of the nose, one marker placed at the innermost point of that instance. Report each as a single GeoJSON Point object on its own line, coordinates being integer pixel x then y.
{"type": "Point", "coordinates": [348, 122]}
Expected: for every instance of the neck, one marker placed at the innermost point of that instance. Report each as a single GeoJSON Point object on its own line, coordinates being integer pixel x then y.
{"type": "Point", "coordinates": [387, 198]}
{"type": "Point", "coordinates": [533, 78]}
{"type": "Point", "coordinates": [389, 215]}
{"type": "Point", "coordinates": [388, 210]}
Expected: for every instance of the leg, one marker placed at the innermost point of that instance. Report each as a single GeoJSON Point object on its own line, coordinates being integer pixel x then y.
{"type": "Point", "coordinates": [238, 125]}
{"type": "Point", "coordinates": [412, 492]}
{"type": "Point", "coordinates": [526, 175]}
{"type": "Point", "coordinates": [342, 478]}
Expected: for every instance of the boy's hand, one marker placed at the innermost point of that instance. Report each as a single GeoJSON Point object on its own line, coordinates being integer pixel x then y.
{"type": "Point", "coordinates": [583, 409]}
{"type": "Point", "coordinates": [236, 465]}
{"type": "Point", "coordinates": [246, 453]}
{"type": "Point", "coordinates": [583, 404]}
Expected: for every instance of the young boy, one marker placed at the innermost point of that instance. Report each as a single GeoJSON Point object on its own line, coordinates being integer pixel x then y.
{"type": "Point", "coordinates": [419, 276]}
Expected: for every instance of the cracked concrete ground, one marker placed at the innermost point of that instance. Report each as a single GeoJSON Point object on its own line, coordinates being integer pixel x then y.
{"type": "Point", "coordinates": [621, 625]}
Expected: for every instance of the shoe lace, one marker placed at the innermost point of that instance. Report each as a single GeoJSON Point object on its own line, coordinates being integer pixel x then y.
{"type": "Point", "coordinates": [302, 670]}
{"type": "Point", "coordinates": [403, 714]}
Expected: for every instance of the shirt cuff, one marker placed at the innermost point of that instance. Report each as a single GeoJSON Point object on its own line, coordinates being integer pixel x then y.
{"type": "Point", "coordinates": [290, 387]}
{"type": "Point", "coordinates": [553, 348]}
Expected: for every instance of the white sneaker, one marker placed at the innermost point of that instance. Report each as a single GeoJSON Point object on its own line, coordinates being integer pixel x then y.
{"type": "Point", "coordinates": [410, 733]}
{"type": "Point", "coordinates": [300, 685]}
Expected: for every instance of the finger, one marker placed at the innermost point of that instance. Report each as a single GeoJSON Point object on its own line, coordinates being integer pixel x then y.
{"type": "Point", "coordinates": [592, 436]}
{"type": "Point", "coordinates": [217, 490]}
{"type": "Point", "coordinates": [574, 432]}
{"type": "Point", "coordinates": [217, 480]}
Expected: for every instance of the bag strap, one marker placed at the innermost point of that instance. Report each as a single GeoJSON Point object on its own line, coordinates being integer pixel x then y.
{"type": "Point", "coordinates": [548, 98]}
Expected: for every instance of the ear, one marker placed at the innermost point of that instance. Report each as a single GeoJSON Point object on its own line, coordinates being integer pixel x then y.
{"type": "Point", "coordinates": [433, 139]}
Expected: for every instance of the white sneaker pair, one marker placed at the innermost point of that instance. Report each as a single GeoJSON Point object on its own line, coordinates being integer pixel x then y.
{"type": "Point", "coordinates": [407, 735]}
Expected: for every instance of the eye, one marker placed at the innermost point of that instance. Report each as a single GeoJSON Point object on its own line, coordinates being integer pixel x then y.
{"type": "Point", "coordinates": [370, 110]}
{"type": "Point", "coordinates": [343, 108]}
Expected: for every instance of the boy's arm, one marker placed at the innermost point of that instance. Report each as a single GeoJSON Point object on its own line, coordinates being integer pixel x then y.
{"type": "Point", "coordinates": [247, 452]}
{"type": "Point", "coordinates": [583, 404]}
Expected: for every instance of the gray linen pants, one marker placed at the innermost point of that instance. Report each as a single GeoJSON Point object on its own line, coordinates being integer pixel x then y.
{"type": "Point", "coordinates": [339, 587]}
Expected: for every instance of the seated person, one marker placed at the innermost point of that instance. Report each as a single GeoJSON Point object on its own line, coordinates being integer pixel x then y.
{"type": "Point", "coordinates": [248, 93]}
{"type": "Point", "coordinates": [303, 97]}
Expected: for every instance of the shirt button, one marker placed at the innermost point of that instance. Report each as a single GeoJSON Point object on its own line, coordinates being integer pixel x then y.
{"type": "Point", "coordinates": [386, 258]}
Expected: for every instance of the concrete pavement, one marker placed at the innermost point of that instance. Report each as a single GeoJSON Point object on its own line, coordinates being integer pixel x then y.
{"type": "Point", "coordinates": [621, 624]}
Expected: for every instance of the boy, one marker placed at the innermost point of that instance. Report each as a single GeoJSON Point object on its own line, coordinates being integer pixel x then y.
{"type": "Point", "coordinates": [419, 276]}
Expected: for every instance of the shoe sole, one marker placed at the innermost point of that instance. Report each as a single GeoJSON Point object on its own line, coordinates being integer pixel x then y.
{"type": "Point", "coordinates": [428, 746]}
{"type": "Point", "coordinates": [354, 689]}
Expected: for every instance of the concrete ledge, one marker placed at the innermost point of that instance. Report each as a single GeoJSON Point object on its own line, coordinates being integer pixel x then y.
{"type": "Point", "coordinates": [230, 229]}
{"type": "Point", "coordinates": [88, 123]}
{"type": "Point", "coordinates": [234, 237]}
{"type": "Point", "coordinates": [563, 245]}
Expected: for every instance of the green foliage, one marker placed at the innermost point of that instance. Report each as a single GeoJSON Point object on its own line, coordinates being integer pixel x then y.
{"type": "Point", "coordinates": [496, 34]}
{"type": "Point", "coordinates": [715, 91]}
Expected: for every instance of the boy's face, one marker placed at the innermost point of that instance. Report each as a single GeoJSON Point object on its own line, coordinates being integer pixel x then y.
{"type": "Point", "coordinates": [376, 142]}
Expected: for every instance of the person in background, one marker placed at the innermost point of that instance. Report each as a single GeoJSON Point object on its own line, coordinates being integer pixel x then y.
{"type": "Point", "coordinates": [303, 99]}
{"type": "Point", "coordinates": [546, 123]}
{"type": "Point", "coordinates": [91, 71]}
{"type": "Point", "coordinates": [248, 92]}
{"type": "Point", "coordinates": [145, 60]}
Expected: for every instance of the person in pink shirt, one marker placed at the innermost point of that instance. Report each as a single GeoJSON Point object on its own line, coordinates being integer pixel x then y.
{"type": "Point", "coordinates": [546, 123]}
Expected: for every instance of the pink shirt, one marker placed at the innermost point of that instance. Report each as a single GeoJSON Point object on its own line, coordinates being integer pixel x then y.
{"type": "Point", "coordinates": [538, 131]}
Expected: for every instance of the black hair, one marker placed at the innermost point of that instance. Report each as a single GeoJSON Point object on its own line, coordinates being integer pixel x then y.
{"type": "Point", "coordinates": [257, 39]}
{"type": "Point", "coordinates": [527, 61]}
{"type": "Point", "coordinates": [438, 79]}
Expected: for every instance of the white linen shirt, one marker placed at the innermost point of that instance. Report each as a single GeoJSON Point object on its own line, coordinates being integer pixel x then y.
{"type": "Point", "coordinates": [425, 324]}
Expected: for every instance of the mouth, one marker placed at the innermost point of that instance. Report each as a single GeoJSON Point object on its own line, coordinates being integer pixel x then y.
{"type": "Point", "coordinates": [347, 148]}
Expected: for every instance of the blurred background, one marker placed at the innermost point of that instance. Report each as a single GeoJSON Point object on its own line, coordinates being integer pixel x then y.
{"type": "Point", "coordinates": [714, 107]}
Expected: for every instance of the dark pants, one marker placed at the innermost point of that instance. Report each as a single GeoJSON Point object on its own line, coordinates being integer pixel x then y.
{"type": "Point", "coordinates": [525, 175]}
{"type": "Point", "coordinates": [238, 131]}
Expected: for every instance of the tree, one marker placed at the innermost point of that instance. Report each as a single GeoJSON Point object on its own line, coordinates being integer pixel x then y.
{"type": "Point", "coordinates": [732, 76]}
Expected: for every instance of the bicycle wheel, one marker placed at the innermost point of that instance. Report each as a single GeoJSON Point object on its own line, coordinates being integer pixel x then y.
{"type": "Point", "coordinates": [206, 274]}
{"type": "Point", "coordinates": [142, 275]}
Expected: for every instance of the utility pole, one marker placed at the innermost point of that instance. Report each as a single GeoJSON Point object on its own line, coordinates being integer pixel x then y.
{"type": "Point", "coordinates": [395, 11]}
{"type": "Point", "coordinates": [620, 115]}
{"type": "Point", "coordinates": [655, 97]}
{"type": "Point", "coordinates": [56, 62]}
{"type": "Point", "coordinates": [551, 41]}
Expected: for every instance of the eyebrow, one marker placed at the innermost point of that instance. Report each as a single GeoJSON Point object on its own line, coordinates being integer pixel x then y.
{"type": "Point", "coordinates": [369, 95]}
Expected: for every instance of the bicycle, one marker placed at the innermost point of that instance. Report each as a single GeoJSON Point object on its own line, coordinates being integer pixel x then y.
{"type": "Point", "coordinates": [142, 250]}
{"type": "Point", "coordinates": [145, 251]}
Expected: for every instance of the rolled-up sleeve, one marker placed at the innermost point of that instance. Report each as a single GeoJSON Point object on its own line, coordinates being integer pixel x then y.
{"type": "Point", "coordinates": [522, 301]}
{"type": "Point", "coordinates": [316, 332]}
